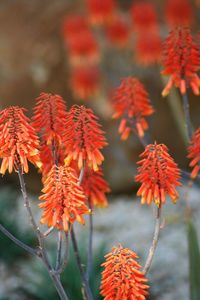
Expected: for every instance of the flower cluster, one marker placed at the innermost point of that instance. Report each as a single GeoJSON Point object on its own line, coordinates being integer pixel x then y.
{"type": "Point", "coordinates": [18, 141]}
{"type": "Point", "coordinates": [100, 12]}
{"type": "Point", "coordinates": [85, 81]}
{"type": "Point", "coordinates": [131, 103]}
{"type": "Point", "coordinates": [181, 61]}
{"type": "Point", "coordinates": [95, 187]}
{"type": "Point", "coordinates": [194, 153]}
{"type": "Point", "coordinates": [63, 199]}
{"type": "Point", "coordinates": [83, 138]}
{"type": "Point", "coordinates": [49, 121]}
{"type": "Point", "coordinates": [122, 277]}
{"type": "Point", "coordinates": [147, 40]}
{"type": "Point", "coordinates": [117, 32]}
{"type": "Point", "coordinates": [178, 13]}
{"type": "Point", "coordinates": [158, 174]}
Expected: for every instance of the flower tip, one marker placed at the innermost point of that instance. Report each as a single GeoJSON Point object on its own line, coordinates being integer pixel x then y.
{"type": "Point", "coordinates": [165, 93]}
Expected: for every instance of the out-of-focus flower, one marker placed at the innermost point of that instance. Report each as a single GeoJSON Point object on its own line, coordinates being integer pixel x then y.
{"type": "Point", "coordinates": [83, 49]}
{"type": "Point", "coordinates": [85, 82]}
{"type": "Point", "coordinates": [148, 48]}
{"type": "Point", "coordinates": [144, 17]}
{"type": "Point", "coordinates": [83, 138]}
{"type": "Point", "coordinates": [63, 199]}
{"type": "Point", "coordinates": [194, 153]}
{"type": "Point", "coordinates": [100, 12]}
{"type": "Point", "coordinates": [181, 61]}
{"type": "Point", "coordinates": [73, 25]}
{"type": "Point", "coordinates": [18, 141]}
{"type": "Point", "coordinates": [122, 277]}
{"type": "Point", "coordinates": [178, 13]}
{"type": "Point", "coordinates": [131, 103]}
{"type": "Point", "coordinates": [95, 187]}
{"type": "Point", "coordinates": [117, 32]}
{"type": "Point", "coordinates": [158, 174]}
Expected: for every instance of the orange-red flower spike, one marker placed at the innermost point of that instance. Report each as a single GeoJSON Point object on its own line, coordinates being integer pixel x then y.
{"type": "Point", "coordinates": [122, 277]}
{"type": "Point", "coordinates": [148, 48]}
{"type": "Point", "coordinates": [181, 61]}
{"type": "Point", "coordinates": [18, 141]}
{"type": "Point", "coordinates": [49, 117]}
{"type": "Point", "coordinates": [158, 174]}
{"type": "Point", "coordinates": [194, 153]}
{"type": "Point", "coordinates": [74, 24]}
{"type": "Point", "coordinates": [178, 13]}
{"type": "Point", "coordinates": [95, 187]}
{"type": "Point", "coordinates": [118, 32]}
{"type": "Point", "coordinates": [144, 17]}
{"type": "Point", "coordinates": [85, 82]}
{"type": "Point", "coordinates": [131, 103]}
{"type": "Point", "coordinates": [63, 199]}
{"type": "Point", "coordinates": [100, 12]}
{"type": "Point", "coordinates": [83, 138]}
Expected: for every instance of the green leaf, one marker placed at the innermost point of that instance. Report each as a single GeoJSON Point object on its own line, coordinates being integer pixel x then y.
{"type": "Point", "coordinates": [194, 262]}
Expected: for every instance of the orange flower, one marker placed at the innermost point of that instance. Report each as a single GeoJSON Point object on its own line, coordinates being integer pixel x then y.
{"type": "Point", "coordinates": [122, 278]}
{"type": "Point", "coordinates": [100, 12]}
{"type": "Point", "coordinates": [49, 117]}
{"type": "Point", "coordinates": [83, 138]}
{"type": "Point", "coordinates": [144, 17]}
{"type": "Point", "coordinates": [178, 13]}
{"type": "Point", "coordinates": [85, 81]}
{"type": "Point", "coordinates": [18, 141]}
{"type": "Point", "coordinates": [131, 102]}
{"type": "Point", "coordinates": [83, 49]}
{"type": "Point", "coordinates": [49, 121]}
{"type": "Point", "coordinates": [95, 187]}
{"type": "Point", "coordinates": [74, 24]}
{"type": "Point", "coordinates": [194, 153]}
{"type": "Point", "coordinates": [181, 61]}
{"type": "Point", "coordinates": [64, 200]}
{"type": "Point", "coordinates": [117, 32]}
{"type": "Point", "coordinates": [158, 174]}
{"type": "Point", "coordinates": [148, 48]}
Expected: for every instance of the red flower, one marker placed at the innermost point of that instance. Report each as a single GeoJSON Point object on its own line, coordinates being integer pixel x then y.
{"type": "Point", "coordinates": [194, 153]}
{"type": "Point", "coordinates": [85, 82]}
{"type": "Point", "coordinates": [181, 61]}
{"type": "Point", "coordinates": [74, 24]}
{"type": "Point", "coordinates": [158, 174]}
{"type": "Point", "coordinates": [83, 49]}
{"type": "Point", "coordinates": [64, 200]}
{"type": "Point", "coordinates": [18, 141]}
{"type": "Point", "coordinates": [132, 104]}
{"type": "Point", "coordinates": [49, 117]}
{"type": "Point", "coordinates": [95, 187]}
{"type": "Point", "coordinates": [144, 17]}
{"type": "Point", "coordinates": [148, 48]}
{"type": "Point", "coordinates": [178, 12]}
{"type": "Point", "coordinates": [122, 278]}
{"type": "Point", "coordinates": [49, 121]}
{"type": "Point", "coordinates": [118, 32]}
{"type": "Point", "coordinates": [100, 12]}
{"type": "Point", "coordinates": [83, 138]}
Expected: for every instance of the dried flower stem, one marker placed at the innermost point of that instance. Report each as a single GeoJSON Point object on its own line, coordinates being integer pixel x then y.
{"type": "Point", "coordinates": [154, 242]}
{"type": "Point", "coordinates": [88, 293]}
{"type": "Point", "coordinates": [18, 242]}
{"type": "Point", "coordinates": [54, 276]}
{"type": "Point", "coordinates": [90, 244]}
{"type": "Point", "coordinates": [66, 255]}
{"type": "Point", "coordinates": [186, 108]}
{"type": "Point", "coordinates": [84, 277]}
{"type": "Point", "coordinates": [59, 250]}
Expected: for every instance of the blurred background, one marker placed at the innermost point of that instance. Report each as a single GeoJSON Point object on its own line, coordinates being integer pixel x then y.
{"type": "Point", "coordinates": [37, 55]}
